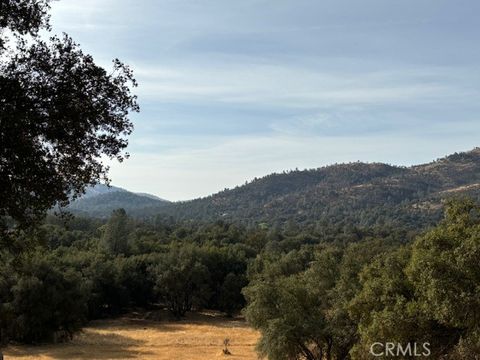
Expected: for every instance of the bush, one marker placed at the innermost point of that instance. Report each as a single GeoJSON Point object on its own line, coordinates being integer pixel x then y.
{"type": "Point", "coordinates": [43, 301]}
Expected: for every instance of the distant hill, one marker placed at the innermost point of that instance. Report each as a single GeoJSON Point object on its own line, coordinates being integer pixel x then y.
{"type": "Point", "coordinates": [355, 194]}
{"type": "Point", "coordinates": [101, 200]}
{"type": "Point", "coordinates": [100, 189]}
{"type": "Point", "coordinates": [151, 196]}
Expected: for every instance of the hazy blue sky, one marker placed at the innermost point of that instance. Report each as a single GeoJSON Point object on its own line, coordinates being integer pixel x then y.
{"type": "Point", "coordinates": [230, 90]}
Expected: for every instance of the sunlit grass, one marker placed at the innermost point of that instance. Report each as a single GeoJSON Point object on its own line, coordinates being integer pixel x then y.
{"type": "Point", "coordinates": [198, 337]}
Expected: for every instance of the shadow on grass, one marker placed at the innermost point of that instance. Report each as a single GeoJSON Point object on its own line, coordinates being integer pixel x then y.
{"type": "Point", "coordinates": [163, 320]}
{"type": "Point", "coordinates": [158, 320]}
{"type": "Point", "coordinates": [123, 337]}
{"type": "Point", "coordinates": [216, 319]}
{"type": "Point", "coordinates": [86, 345]}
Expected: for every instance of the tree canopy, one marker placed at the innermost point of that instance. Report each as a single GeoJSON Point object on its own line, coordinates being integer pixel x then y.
{"type": "Point", "coordinates": [59, 114]}
{"type": "Point", "coordinates": [348, 297]}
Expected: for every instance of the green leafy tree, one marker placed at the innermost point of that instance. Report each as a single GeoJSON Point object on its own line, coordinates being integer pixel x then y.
{"type": "Point", "coordinates": [181, 280]}
{"type": "Point", "coordinates": [291, 310]}
{"type": "Point", "coordinates": [59, 114]}
{"type": "Point", "coordinates": [107, 294]}
{"type": "Point", "coordinates": [385, 308]}
{"type": "Point", "coordinates": [446, 274]}
{"type": "Point", "coordinates": [133, 276]}
{"type": "Point", "coordinates": [287, 315]}
{"type": "Point", "coordinates": [101, 276]}
{"type": "Point", "coordinates": [426, 292]}
{"type": "Point", "coordinates": [43, 301]}
{"type": "Point", "coordinates": [116, 233]}
{"type": "Point", "coordinates": [330, 280]}
{"type": "Point", "coordinates": [231, 298]}
{"type": "Point", "coordinates": [342, 286]}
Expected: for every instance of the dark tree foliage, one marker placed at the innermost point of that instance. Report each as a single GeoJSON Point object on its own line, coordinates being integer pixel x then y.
{"type": "Point", "coordinates": [59, 113]}
{"type": "Point", "coordinates": [115, 235]}
{"type": "Point", "coordinates": [23, 16]}
{"type": "Point", "coordinates": [182, 280]}
{"type": "Point", "coordinates": [40, 301]}
{"type": "Point", "coordinates": [336, 305]}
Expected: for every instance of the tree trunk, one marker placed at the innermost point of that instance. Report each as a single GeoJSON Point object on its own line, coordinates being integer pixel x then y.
{"type": "Point", "coordinates": [306, 351]}
{"type": "Point", "coordinates": [328, 355]}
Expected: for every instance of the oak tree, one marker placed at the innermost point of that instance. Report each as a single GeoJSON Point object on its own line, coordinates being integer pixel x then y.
{"type": "Point", "coordinates": [60, 113]}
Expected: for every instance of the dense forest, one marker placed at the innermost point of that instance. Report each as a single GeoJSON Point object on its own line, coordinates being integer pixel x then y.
{"type": "Point", "coordinates": [313, 292]}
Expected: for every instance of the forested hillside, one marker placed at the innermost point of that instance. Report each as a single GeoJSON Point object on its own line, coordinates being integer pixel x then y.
{"type": "Point", "coordinates": [101, 200]}
{"type": "Point", "coordinates": [357, 194]}
{"type": "Point", "coordinates": [354, 194]}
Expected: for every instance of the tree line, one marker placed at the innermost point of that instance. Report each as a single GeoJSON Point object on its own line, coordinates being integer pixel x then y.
{"type": "Point", "coordinates": [312, 295]}
{"type": "Point", "coordinates": [87, 272]}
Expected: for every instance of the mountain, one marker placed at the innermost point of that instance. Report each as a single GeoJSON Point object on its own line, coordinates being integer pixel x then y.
{"type": "Point", "coordinates": [151, 196]}
{"type": "Point", "coordinates": [101, 200]}
{"type": "Point", "coordinates": [101, 189]}
{"type": "Point", "coordinates": [355, 194]}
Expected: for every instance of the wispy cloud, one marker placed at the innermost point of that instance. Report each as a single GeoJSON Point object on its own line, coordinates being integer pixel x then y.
{"type": "Point", "coordinates": [202, 170]}
{"type": "Point", "coordinates": [232, 90]}
{"type": "Point", "coordinates": [81, 15]}
{"type": "Point", "coordinates": [290, 86]}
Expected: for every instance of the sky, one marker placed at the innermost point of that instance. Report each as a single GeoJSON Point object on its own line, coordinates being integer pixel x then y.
{"type": "Point", "coordinates": [232, 90]}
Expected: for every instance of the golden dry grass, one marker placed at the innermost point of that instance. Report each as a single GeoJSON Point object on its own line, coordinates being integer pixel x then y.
{"type": "Point", "coordinates": [198, 337]}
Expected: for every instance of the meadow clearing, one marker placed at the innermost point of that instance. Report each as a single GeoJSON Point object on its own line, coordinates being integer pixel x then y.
{"type": "Point", "coordinates": [138, 336]}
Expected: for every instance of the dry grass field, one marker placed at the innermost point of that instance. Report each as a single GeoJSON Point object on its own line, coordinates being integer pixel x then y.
{"type": "Point", "coordinates": [198, 337]}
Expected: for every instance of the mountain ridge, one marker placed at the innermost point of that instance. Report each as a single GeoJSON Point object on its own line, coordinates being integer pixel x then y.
{"type": "Point", "coordinates": [349, 194]}
{"type": "Point", "coordinates": [360, 194]}
{"type": "Point", "coordinates": [100, 200]}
